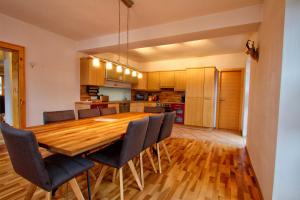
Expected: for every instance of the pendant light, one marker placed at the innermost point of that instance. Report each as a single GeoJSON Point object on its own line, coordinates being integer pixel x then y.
{"type": "Point", "coordinates": [134, 74]}
{"type": "Point", "coordinates": [96, 62]}
{"type": "Point", "coordinates": [119, 68]}
{"type": "Point", "coordinates": [140, 76]}
{"type": "Point", "coordinates": [127, 71]}
{"type": "Point", "coordinates": [108, 65]}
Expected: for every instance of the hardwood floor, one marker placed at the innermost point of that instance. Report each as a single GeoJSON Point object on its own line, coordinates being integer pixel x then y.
{"type": "Point", "coordinates": [206, 164]}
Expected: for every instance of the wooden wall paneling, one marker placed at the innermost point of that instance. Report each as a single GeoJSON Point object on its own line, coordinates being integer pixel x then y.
{"type": "Point", "coordinates": [180, 80]}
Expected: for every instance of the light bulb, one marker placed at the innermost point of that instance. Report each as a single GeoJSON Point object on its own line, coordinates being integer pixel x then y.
{"type": "Point", "coordinates": [140, 76]}
{"type": "Point", "coordinates": [108, 65]}
{"type": "Point", "coordinates": [96, 62]}
{"type": "Point", "coordinates": [127, 71]}
{"type": "Point", "coordinates": [119, 68]}
{"type": "Point", "coordinates": [134, 74]}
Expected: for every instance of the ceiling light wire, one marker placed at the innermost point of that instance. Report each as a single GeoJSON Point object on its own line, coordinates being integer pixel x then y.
{"type": "Point", "coordinates": [119, 37]}
{"type": "Point", "coordinates": [127, 45]}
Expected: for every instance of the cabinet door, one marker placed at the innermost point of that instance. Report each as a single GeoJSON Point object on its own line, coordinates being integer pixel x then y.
{"type": "Point", "coordinates": [180, 80]}
{"type": "Point", "coordinates": [153, 81]}
{"type": "Point", "coordinates": [209, 83]}
{"type": "Point", "coordinates": [114, 105]}
{"type": "Point", "coordinates": [90, 75]}
{"type": "Point", "coordinates": [140, 107]}
{"type": "Point", "coordinates": [208, 113]}
{"type": "Point", "coordinates": [113, 75]}
{"type": "Point", "coordinates": [195, 83]}
{"type": "Point", "coordinates": [166, 79]}
{"type": "Point", "coordinates": [142, 83]}
{"type": "Point", "coordinates": [193, 111]}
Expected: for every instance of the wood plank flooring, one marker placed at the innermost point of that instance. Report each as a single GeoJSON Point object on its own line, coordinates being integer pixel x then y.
{"type": "Point", "coordinates": [203, 167]}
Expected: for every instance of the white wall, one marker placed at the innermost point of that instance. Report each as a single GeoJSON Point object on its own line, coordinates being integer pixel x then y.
{"type": "Point", "coordinates": [237, 60]}
{"type": "Point", "coordinates": [287, 170]}
{"type": "Point", "coordinates": [264, 96]}
{"type": "Point", "coordinates": [53, 82]}
{"type": "Point", "coordinates": [8, 88]}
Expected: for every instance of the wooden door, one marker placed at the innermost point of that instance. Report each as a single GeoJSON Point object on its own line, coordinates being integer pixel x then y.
{"type": "Point", "coordinates": [229, 103]}
{"type": "Point", "coordinates": [153, 81]}
{"type": "Point", "coordinates": [180, 81]}
{"type": "Point", "coordinates": [166, 79]}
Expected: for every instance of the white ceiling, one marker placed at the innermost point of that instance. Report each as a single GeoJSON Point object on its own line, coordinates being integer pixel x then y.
{"type": "Point", "coordinates": [82, 19]}
{"type": "Point", "coordinates": [198, 48]}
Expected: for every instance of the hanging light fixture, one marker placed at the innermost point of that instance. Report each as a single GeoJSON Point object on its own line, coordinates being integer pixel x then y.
{"type": "Point", "coordinates": [108, 65]}
{"type": "Point", "coordinates": [127, 71]}
{"type": "Point", "coordinates": [119, 69]}
{"type": "Point", "coordinates": [134, 74]}
{"type": "Point", "coordinates": [140, 76]}
{"type": "Point", "coordinates": [96, 62]}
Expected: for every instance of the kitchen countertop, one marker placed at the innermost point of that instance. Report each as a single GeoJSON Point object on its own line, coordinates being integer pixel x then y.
{"type": "Point", "coordinates": [116, 102]}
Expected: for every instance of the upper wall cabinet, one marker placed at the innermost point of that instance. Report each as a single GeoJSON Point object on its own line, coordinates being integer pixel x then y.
{"type": "Point", "coordinates": [180, 80]}
{"type": "Point", "coordinates": [142, 83]}
{"type": "Point", "coordinates": [153, 81]}
{"type": "Point", "coordinates": [195, 83]}
{"type": "Point", "coordinates": [90, 75]}
{"type": "Point", "coordinates": [166, 79]}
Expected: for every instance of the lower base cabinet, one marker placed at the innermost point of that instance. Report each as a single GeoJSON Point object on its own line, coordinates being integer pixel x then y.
{"type": "Point", "coordinates": [193, 111]}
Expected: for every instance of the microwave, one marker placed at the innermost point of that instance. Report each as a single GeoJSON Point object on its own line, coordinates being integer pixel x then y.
{"type": "Point", "coordinates": [141, 97]}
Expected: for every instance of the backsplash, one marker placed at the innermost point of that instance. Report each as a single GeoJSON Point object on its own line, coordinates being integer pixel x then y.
{"type": "Point", "coordinates": [165, 95]}
{"type": "Point", "coordinates": [116, 94]}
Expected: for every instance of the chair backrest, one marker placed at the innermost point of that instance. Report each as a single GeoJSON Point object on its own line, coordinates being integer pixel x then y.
{"type": "Point", "coordinates": [108, 111]}
{"type": "Point", "coordinates": [167, 126]}
{"type": "Point", "coordinates": [86, 113]}
{"type": "Point", "coordinates": [58, 116]}
{"type": "Point", "coordinates": [149, 109]}
{"type": "Point", "coordinates": [133, 140]}
{"type": "Point", "coordinates": [25, 157]}
{"type": "Point", "coordinates": [153, 129]}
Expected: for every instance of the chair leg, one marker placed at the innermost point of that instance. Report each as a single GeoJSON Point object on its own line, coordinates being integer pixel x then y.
{"type": "Point", "coordinates": [135, 175]}
{"type": "Point", "coordinates": [114, 176]}
{"type": "Point", "coordinates": [30, 191]}
{"type": "Point", "coordinates": [121, 183]}
{"type": "Point", "coordinates": [158, 157]}
{"type": "Point", "coordinates": [166, 151]}
{"type": "Point", "coordinates": [48, 195]}
{"type": "Point", "coordinates": [151, 159]}
{"type": "Point", "coordinates": [76, 189]}
{"type": "Point", "coordinates": [99, 179]}
{"type": "Point", "coordinates": [92, 174]}
{"type": "Point", "coordinates": [142, 169]}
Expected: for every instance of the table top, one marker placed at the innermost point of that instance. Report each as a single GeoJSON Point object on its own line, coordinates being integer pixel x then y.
{"type": "Point", "coordinates": [78, 136]}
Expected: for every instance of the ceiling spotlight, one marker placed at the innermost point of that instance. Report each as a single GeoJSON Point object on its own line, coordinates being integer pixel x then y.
{"type": "Point", "coordinates": [140, 75]}
{"type": "Point", "coordinates": [127, 71]}
{"type": "Point", "coordinates": [119, 68]}
{"type": "Point", "coordinates": [134, 74]}
{"type": "Point", "coordinates": [96, 62]}
{"type": "Point", "coordinates": [108, 65]}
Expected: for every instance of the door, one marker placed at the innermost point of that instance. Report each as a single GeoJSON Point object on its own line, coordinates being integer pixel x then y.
{"type": "Point", "coordinates": [229, 104]}
{"type": "Point", "coordinates": [193, 111]}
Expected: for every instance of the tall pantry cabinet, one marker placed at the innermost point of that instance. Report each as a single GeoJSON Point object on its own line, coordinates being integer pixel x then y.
{"type": "Point", "coordinates": [200, 97]}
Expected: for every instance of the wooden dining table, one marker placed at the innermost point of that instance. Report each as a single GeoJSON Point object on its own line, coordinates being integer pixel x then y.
{"type": "Point", "coordinates": [75, 137]}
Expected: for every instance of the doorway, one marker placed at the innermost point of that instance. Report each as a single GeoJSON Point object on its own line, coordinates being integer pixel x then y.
{"type": "Point", "coordinates": [230, 100]}
{"type": "Point", "coordinates": [12, 85]}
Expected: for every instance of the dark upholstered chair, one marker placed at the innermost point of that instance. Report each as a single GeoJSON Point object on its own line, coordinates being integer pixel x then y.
{"type": "Point", "coordinates": [48, 173]}
{"type": "Point", "coordinates": [149, 109]}
{"type": "Point", "coordinates": [58, 116]}
{"type": "Point", "coordinates": [108, 111]}
{"type": "Point", "coordinates": [165, 132]}
{"type": "Point", "coordinates": [87, 113]}
{"type": "Point", "coordinates": [122, 152]}
{"type": "Point", "coordinates": [151, 138]}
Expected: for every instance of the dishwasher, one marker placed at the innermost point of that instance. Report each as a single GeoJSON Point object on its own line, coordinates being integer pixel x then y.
{"type": "Point", "coordinates": [124, 107]}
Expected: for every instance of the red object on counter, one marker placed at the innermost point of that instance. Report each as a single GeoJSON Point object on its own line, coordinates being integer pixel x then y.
{"type": "Point", "coordinates": [179, 109]}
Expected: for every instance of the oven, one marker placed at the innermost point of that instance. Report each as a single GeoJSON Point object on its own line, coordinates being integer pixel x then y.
{"type": "Point", "coordinates": [179, 109]}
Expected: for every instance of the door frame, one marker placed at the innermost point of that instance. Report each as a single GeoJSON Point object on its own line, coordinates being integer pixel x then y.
{"type": "Point", "coordinates": [22, 89]}
{"type": "Point", "coordinates": [242, 70]}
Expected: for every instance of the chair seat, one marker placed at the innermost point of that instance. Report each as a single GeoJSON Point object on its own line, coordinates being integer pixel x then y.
{"type": "Point", "coordinates": [63, 168]}
{"type": "Point", "coordinates": [110, 155]}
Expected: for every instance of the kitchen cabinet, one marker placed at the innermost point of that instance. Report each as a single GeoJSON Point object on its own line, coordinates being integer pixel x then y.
{"type": "Point", "coordinates": [195, 82]}
{"type": "Point", "coordinates": [179, 80]}
{"type": "Point", "coordinates": [113, 75]}
{"type": "Point", "coordinates": [166, 79]}
{"type": "Point", "coordinates": [153, 81]}
{"type": "Point", "coordinates": [141, 83]}
{"type": "Point", "coordinates": [114, 105]}
{"type": "Point", "coordinates": [137, 107]}
{"type": "Point", "coordinates": [193, 111]}
{"type": "Point", "coordinates": [200, 97]}
{"type": "Point", "coordinates": [90, 75]}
